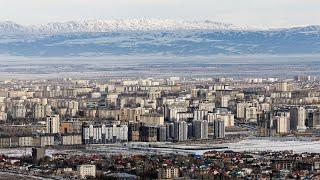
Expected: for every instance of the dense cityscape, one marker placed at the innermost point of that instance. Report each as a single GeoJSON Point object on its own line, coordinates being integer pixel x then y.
{"type": "Point", "coordinates": [159, 89]}
{"type": "Point", "coordinates": [166, 128]}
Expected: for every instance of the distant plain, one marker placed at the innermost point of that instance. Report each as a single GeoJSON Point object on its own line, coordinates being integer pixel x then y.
{"type": "Point", "coordinates": [15, 67]}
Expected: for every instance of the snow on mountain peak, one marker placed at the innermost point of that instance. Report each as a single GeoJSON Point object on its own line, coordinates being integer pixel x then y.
{"type": "Point", "coordinates": [118, 25]}
{"type": "Point", "coordinates": [11, 27]}
{"type": "Point", "coordinates": [142, 24]}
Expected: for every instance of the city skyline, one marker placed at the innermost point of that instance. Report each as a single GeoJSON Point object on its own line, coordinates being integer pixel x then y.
{"type": "Point", "coordinates": [159, 89]}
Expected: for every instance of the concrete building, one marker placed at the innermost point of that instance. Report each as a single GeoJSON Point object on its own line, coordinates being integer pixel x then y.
{"type": "Point", "coordinates": [224, 101]}
{"type": "Point", "coordinates": [251, 114]}
{"type": "Point", "coordinates": [86, 170]}
{"type": "Point", "coordinates": [282, 86]}
{"type": "Point", "coordinates": [5, 142]}
{"type": "Point", "coordinates": [152, 119]}
{"type": "Point", "coordinates": [298, 118]}
{"type": "Point", "coordinates": [174, 110]}
{"type": "Point", "coordinates": [316, 119]}
{"type": "Point", "coordinates": [180, 131]}
{"type": "Point", "coordinates": [186, 116]}
{"type": "Point", "coordinates": [71, 139]}
{"type": "Point", "coordinates": [218, 128]}
{"type": "Point", "coordinates": [170, 131]}
{"type": "Point", "coordinates": [227, 117]}
{"type": "Point", "coordinates": [162, 133]}
{"type": "Point", "coordinates": [206, 105]}
{"type": "Point", "coordinates": [132, 114]}
{"type": "Point", "coordinates": [240, 110]}
{"type": "Point", "coordinates": [190, 131]}
{"type": "Point", "coordinates": [72, 126]}
{"type": "Point", "coordinates": [39, 111]}
{"type": "Point", "coordinates": [168, 173]}
{"type": "Point", "coordinates": [53, 124]}
{"type": "Point", "coordinates": [200, 129]}
{"type": "Point", "coordinates": [104, 133]}
{"type": "Point", "coordinates": [18, 111]}
{"type": "Point", "coordinates": [72, 108]}
{"type": "Point", "coordinates": [25, 141]}
{"type": "Point", "coordinates": [38, 153]}
{"type": "Point", "coordinates": [46, 140]}
{"type": "Point", "coordinates": [282, 124]}
{"type": "Point", "coordinates": [200, 115]}
{"type": "Point", "coordinates": [69, 92]}
{"type": "Point", "coordinates": [148, 134]}
{"type": "Point", "coordinates": [3, 116]}
{"type": "Point", "coordinates": [95, 95]}
{"type": "Point", "coordinates": [134, 131]}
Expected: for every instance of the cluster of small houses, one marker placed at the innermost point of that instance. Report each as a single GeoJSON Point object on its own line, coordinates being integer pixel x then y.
{"type": "Point", "coordinates": [212, 164]}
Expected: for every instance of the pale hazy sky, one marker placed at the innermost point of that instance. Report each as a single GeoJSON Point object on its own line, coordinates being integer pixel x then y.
{"type": "Point", "coordinates": [270, 13]}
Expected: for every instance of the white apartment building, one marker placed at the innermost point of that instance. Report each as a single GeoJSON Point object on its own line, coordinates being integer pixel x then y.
{"type": "Point", "coordinates": [86, 170]}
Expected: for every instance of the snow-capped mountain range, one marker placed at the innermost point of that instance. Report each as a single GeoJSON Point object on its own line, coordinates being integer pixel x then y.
{"type": "Point", "coordinates": [153, 37]}
{"type": "Point", "coordinates": [116, 25]}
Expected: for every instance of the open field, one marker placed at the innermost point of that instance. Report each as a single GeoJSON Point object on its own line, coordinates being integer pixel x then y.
{"type": "Point", "coordinates": [123, 67]}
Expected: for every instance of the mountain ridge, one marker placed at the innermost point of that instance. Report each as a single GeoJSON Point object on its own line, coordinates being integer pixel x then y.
{"type": "Point", "coordinates": [116, 25]}
{"type": "Point", "coordinates": [154, 37]}
{"type": "Point", "coordinates": [142, 24]}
